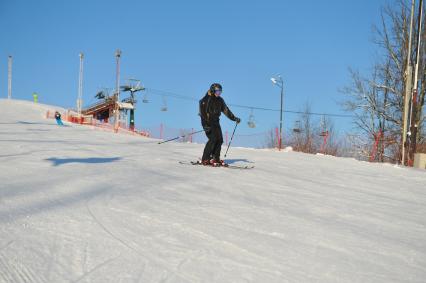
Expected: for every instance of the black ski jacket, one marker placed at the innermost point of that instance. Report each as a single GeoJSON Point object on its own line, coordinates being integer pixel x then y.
{"type": "Point", "coordinates": [211, 108]}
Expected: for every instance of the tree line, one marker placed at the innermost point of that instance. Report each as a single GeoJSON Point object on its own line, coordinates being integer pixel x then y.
{"type": "Point", "coordinates": [377, 99]}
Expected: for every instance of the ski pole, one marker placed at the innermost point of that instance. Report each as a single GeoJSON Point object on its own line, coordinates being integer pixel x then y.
{"type": "Point", "coordinates": [181, 136]}
{"type": "Point", "coordinates": [231, 138]}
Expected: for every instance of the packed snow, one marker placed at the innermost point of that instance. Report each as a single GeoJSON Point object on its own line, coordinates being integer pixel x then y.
{"type": "Point", "coordinates": [82, 205]}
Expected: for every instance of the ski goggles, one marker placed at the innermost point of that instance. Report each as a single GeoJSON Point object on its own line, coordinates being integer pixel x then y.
{"type": "Point", "coordinates": [218, 91]}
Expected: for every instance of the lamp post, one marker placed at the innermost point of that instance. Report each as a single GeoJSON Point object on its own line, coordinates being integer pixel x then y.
{"type": "Point", "coordinates": [80, 86]}
{"type": "Point", "coordinates": [117, 88]}
{"type": "Point", "coordinates": [279, 82]}
{"type": "Point", "coordinates": [9, 78]}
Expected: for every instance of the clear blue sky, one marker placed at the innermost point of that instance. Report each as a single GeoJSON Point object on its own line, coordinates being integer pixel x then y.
{"type": "Point", "coordinates": [184, 46]}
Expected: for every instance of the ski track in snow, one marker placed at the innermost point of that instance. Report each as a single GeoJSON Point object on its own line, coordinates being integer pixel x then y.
{"type": "Point", "coordinates": [157, 261]}
{"type": "Point", "coordinates": [82, 205]}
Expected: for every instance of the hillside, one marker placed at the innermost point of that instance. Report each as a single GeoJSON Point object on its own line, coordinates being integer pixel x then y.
{"type": "Point", "coordinates": [82, 205]}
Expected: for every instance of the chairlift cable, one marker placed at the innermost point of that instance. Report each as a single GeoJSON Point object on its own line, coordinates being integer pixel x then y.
{"type": "Point", "coordinates": [184, 97]}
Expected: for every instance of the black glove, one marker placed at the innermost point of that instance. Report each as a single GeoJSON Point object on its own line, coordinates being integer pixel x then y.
{"type": "Point", "coordinates": [238, 120]}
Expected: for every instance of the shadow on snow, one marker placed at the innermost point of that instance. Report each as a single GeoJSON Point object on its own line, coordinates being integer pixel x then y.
{"type": "Point", "coordinates": [61, 161]}
{"type": "Point", "coordinates": [231, 161]}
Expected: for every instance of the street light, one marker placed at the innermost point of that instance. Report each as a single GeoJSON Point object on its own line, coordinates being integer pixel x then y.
{"type": "Point", "coordinates": [9, 78]}
{"type": "Point", "coordinates": [117, 88]}
{"type": "Point", "coordinates": [279, 82]}
{"type": "Point", "coordinates": [80, 86]}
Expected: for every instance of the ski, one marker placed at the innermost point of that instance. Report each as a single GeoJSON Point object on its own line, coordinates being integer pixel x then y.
{"type": "Point", "coordinates": [231, 166]}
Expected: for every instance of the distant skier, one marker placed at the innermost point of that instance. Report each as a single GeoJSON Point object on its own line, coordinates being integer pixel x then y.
{"type": "Point", "coordinates": [58, 118]}
{"type": "Point", "coordinates": [211, 107]}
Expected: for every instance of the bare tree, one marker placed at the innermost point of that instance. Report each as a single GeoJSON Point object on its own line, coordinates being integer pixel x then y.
{"type": "Point", "coordinates": [370, 104]}
{"type": "Point", "coordinates": [303, 138]}
{"type": "Point", "coordinates": [356, 146]}
{"type": "Point", "coordinates": [377, 100]}
{"type": "Point", "coordinates": [327, 133]}
{"type": "Point", "coordinates": [271, 139]}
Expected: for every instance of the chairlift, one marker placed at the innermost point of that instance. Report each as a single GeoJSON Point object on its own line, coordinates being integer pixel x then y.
{"type": "Point", "coordinates": [324, 131]}
{"type": "Point", "coordinates": [324, 134]}
{"type": "Point", "coordinates": [297, 128]}
{"type": "Point", "coordinates": [145, 98]}
{"type": "Point", "coordinates": [134, 83]}
{"type": "Point", "coordinates": [103, 93]}
{"type": "Point", "coordinates": [164, 107]}
{"type": "Point", "coordinates": [251, 122]}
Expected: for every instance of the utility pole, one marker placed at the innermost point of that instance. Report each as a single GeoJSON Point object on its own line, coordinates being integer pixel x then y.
{"type": "Point", "coordinates": [80, 86]}
{"type": "Point", "coordinates": [279, 82]}
{"type": "Point", "coordinates": [117, 87]}
{"type": "Point", "coordinates": [281, 114]}
{"type": "Point", "coordinates": [9, 78]}
{"type": "Point", "coordinates": [408, 84]}
{"type": "Point", "coordinates": [413, 114]}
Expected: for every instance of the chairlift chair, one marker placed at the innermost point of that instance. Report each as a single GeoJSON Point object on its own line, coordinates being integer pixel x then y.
{"type": "Point", "coordinates": [251, 122]}
{"type": "Point", "coordinates": [323, 126]}
{"type": "Point", "coordinates": [296, 128]}
{"type": "Point", "coordinates": [164, 107]}
{"type": "Point", "coordinates": [145, 98]}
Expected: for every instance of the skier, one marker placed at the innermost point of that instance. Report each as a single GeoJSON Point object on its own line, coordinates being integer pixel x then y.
{"type": "Point", "coordinates": [211, 107]}
{"type": "Point", "coordinates": [58, 118]}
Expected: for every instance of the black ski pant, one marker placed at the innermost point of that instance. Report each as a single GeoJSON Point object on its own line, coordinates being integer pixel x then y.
{"type": "Point", "coordinates": [214, 144]}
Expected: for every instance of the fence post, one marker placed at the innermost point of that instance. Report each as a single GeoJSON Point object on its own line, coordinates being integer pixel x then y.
{"type": "Point", "coordinates": [376, 143]}
{"type": "Point", "coordinates": [277, 136]}
{"type": "Point", "coordinates": [161, 131]}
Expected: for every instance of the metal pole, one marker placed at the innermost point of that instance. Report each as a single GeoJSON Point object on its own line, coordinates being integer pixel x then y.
{"type": "Point", "coordinates": [117, 95]}
{"type": "Point", "coordinates": [182, 136]}
{"type": "Point", "coordinates": [281, 113]}
{"type": "Point", "coordinates": [413, 126]}
{"type": "Point", "coordinates": [408, 84]}
{"type": "Point", "coordinates": [9, 79]}
{"type": "Point", "coordinates": [236, 124]}
{"type": "Point", "coordinates": [80, 86]}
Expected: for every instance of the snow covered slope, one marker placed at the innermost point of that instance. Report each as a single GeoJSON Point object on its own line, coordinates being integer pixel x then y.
{"type": "Point", "coordinates": [82, 205]}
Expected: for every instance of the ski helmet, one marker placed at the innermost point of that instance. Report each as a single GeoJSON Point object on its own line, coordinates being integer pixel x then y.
{"type": "Point", "coordinates": [215, 86]}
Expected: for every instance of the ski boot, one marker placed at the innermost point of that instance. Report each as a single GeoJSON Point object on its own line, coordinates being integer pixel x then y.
{"type": "Point", "coordinates": [205, 162]}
